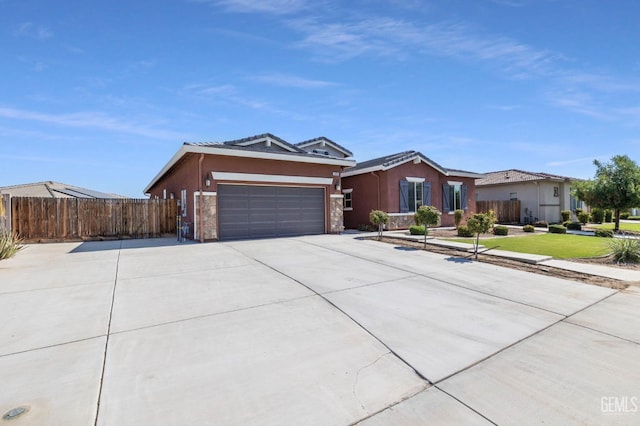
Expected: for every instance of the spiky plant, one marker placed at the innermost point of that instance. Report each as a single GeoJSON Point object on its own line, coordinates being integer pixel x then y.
{"type": "Point", "coordinates": [10, 243]}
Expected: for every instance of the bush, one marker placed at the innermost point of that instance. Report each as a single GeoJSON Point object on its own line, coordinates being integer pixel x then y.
{"type": "Point", "coordinates": [583, 217]}
{"type": "Point", "coordinates": [578, 211]}
{"type": "Point", "coordinates": [566, 215]}
{"type": "Point", "coordinates": [604, 233]}
{"type": "Point", "coordinates": [541, 224]}
{"type": "Point", "coordinates": [500, 230]}
{"type": "Point", "coordinates": [574, 226]}
{"type": "Point", "coordinates": [634, 217]}
{"type": "Point", "coordinates": [10, 244]}
{"type": "Point", "coordinates": [557, 229]}
{"type": "Point", "coordinates": [625, 250]}
{"type": "Point", "coordinates": [528, 228]}
{"type": "Point", "coordinates": [379, 218]}
{"type": "Point", "coordinates": [608, 216]}
{"type": "Point", "coordinates": [624, 215]}
{"type": "Point", "coordinates": [457, 217]}
{"type": "Point", "coordinates": [463, 231]}
{"type": "Point", "coordinates": [597, 215]}
{"type": "Point", "coordinates": [417, 229]}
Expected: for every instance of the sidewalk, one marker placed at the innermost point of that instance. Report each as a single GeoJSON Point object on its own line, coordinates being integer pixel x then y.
{"type": "Point", "coordinates": [535, 259]}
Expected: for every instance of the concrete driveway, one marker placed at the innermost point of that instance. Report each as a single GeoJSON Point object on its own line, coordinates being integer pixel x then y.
{"type": "Point", "coordinates": [311, 330]}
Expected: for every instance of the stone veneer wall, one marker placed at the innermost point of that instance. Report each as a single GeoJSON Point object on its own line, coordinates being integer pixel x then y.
{"type": "Point", "coordinates": [400, 221]}
{"type": "Point", "coordinates": [337, 219]}
{"type": "Point", "coordinates": [209, 211]}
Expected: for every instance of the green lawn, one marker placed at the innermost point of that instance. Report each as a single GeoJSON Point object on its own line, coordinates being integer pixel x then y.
{"type": "Point", "coordinates": [560, 246]}
{"type": "Point", "coordinates": [624, 226]}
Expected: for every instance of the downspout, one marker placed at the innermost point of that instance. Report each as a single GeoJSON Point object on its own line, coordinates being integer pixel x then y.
{"type": "Point", "coordinates": [200, 204]}
{"type": "Point", "coordinates": [538, 185]}
{"type": "Point", "coordinates": [378, 178]}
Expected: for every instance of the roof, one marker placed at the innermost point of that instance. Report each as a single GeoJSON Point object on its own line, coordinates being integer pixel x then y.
{"type": "Point", "coordinates": [514, 176]}
{"type": "Point", "coordinates": [390, 161]}
{"type": "Point", "coordinates": [50, 189]}
{"type": "Point", "coordinates": [264, 146]}
{"type": "Point", "coordinates": [325, 141]}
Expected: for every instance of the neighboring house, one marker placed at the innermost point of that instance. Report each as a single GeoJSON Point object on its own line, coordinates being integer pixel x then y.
{"type": "Point", "coordinates": [260, 186]}
{"type": "Point", "coordinates": [398, 184]}
{"type": "Point", "coordinates": [542, 195]}
{"type": "Point", "coordinates": [51, 189]}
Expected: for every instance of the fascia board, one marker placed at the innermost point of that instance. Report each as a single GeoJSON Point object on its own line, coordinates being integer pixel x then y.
{"type": "Point", "coordinates": [196, 149]}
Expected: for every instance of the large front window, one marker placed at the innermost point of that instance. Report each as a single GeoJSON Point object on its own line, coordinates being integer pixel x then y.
{"type": "Point", "coordinates": [415, 196]}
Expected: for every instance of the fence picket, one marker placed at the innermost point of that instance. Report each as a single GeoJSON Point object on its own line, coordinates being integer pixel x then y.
{"type": "Point", "coordinates": [78, 218]}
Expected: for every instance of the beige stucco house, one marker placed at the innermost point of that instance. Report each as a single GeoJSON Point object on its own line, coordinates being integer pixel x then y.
{"type": "Point", "coordinates": [542, 195]}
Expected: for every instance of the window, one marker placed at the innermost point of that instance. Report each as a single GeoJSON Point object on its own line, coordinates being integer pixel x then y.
{"type": "Point", "coordinates": [348, 199]}
{"type": "Point", "coordinates": [513, 195]}
{"type": "Point", "coordinates": [414, 192]}
{"type": "Point", "coordinates": [454, 196]}
{"type": "Point", "coordinates": [415, 196]}
{"type": "Point", "coordinates": [183, 202]}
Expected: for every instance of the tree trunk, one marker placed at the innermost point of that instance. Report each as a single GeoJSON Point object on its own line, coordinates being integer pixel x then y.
{"type": "Point", "coordinates": [616, 221]}
{"type": "Point", "coordinates": [476, 247]}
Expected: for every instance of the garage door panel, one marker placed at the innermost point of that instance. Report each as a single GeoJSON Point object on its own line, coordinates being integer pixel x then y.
{"type": "Point", "coordinates": [247, 211]}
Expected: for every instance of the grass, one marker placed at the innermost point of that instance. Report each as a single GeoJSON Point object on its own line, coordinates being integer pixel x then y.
{"type": "Point", "coordinates": [624, 226]}
{"type": "Point", "coordinates": [560, 246]}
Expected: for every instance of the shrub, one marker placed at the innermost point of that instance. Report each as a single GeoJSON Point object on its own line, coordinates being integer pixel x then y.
{"type": "Point", "coordinates": [566, 215]}
{"type": "Point", "coordinates": [597, 215]}
{"type": "Point", "coordinates": [634, 217]}
{"type": "Point", "coordinates": [463, 231]}
{"type": "Point", "coordinates": [417, 230]}
{"type": "Point", "coordinates": [457, 217]}
{"type": "Point", "coordinates": [528, 228]}
{"type": "Point", "coordinates": [574, 226]}
{"type": "Point", "coordinates": [624, 215]}
{"type": "Point", "coordinates": [379, 218]}
{"type": "Point", "coordinates": [500, 230]}
{"type": "Point", "coordinates": [583, 217]}
{"type": "Point", "coordinates": [608, 216]}
{"type": "Point", "coordinates": [578, 211]}
{"type": "Point", "coordinates": [604, 233]}
{"type": "Point", "coordinates": [541, 224]}
{"type": "Point", "coordinates": [557, 229]}
{"type": "Point", "coordinates": [625, 250]}
{"type": "Point", "coordinates": [10, 244]}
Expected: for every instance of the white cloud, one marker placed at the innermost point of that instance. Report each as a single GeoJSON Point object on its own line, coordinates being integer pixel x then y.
{"type": "Point", "coordinates": [91, 120]}
{"type": "Point", "coordinates": [287, 80]}
{"type": "Point", "coordinates": [31, 30]}
{"type": "Point", "coordinates": [275, 7]}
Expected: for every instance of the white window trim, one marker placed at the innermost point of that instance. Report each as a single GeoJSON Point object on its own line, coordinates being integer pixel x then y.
{"type": "Point", "coordinates": [453, 182]}
{"type": "Point", "coordinates": [415, 179]}
{"type": "Point", "coordinates": [348, 191]}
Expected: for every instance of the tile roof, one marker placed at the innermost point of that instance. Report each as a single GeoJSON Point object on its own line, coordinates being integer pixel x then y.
{"type": "Point", "coordinates": [322, 138]}
{"type": "Point", "coordinates": [515, 175]}
{"type": "Point", "coordinates": [50, 189]}
{"type": "Point", "coordinates": [253, 143]}
{"type": "Point", "coordinates": [390, 161]}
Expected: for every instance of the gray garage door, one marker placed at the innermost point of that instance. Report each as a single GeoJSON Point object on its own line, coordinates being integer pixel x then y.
{"type": "Point", "coordinates": [246, 211]}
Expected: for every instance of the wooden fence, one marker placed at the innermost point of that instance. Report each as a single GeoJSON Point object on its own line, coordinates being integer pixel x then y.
{"type": "Point", "coordinates": [78, 218]}
{"type": "Point", "coordinates": [506, 211]}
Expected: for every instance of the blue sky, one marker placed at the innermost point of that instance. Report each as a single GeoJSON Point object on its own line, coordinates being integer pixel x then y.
{"type": "Point", "coordinates": [102, 93]}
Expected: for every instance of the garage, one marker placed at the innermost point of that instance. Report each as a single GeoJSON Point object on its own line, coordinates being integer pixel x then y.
{"type": "Point", "coordinates": [253, 211]}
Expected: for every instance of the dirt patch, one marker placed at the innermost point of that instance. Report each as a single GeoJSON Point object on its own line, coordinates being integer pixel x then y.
{"type": "Point", "coordinates": [494, 260]}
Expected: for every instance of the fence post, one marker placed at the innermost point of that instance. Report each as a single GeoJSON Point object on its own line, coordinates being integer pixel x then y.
{"type": "Point", "coordinates": [5, 211]}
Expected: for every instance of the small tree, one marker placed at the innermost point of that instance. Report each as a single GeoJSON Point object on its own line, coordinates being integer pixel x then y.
{"type": "Point", "coordinates": [427, 216]}
{"type": "Point", "coordinates": [480, 223]}
{"type": "Point", "coordinates": [616, 186]}
{"type": "Point", "coordinates": [566, 215]}
{"type": "Point", "coordinates": [457, 217]}
{"type": "Point", "coordinates": [379, 218]}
